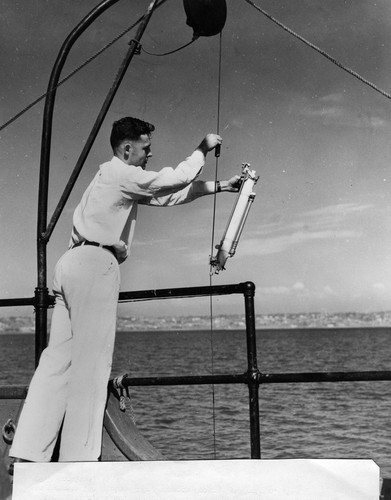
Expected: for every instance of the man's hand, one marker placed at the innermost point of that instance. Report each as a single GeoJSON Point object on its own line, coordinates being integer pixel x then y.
{"type": "Point", "coordinates": [209, 143]}
{"type": "Point", "coordinates": [232, 185]}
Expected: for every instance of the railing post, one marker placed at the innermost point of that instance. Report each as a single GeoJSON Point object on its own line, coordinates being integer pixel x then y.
{"type": "Point", "coordinates": [42, 302]}
{"type": "Point", "coordinates": [253, 372]}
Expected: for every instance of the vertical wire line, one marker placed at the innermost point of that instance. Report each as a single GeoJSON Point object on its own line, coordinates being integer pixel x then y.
{"type": "Point", "coordinates": [212, 245]}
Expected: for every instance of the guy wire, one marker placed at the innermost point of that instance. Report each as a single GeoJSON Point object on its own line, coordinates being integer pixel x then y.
{"type": "Point", "coordinates": [320, 51]}
{"type": "Point", "coordinates": [212, 243]}
{"type": "Point", "coordinates": [76, 70]}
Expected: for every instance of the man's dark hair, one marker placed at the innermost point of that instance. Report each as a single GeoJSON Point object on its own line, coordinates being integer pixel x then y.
{"type": "Point", "coordinates": [129, 128]}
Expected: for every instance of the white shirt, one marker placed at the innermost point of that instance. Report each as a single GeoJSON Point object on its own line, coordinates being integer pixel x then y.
{"type": "Point", "coordinates": [107, 211]}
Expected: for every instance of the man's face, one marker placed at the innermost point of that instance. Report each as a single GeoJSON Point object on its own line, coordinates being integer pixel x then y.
{"type": "Point", "coordinates": [140, 151]}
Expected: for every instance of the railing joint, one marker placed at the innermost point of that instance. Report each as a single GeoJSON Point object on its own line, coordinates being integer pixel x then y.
{"type": "Point", "coordinates": [42, 298]}
{"type": "Point", "coordinates": [254, 376]}
{"type": "Point", "coordinates": [248, 289]}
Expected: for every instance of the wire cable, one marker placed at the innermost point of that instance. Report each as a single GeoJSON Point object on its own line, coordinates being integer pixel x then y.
{"type": "Point", "coordinates": [217, 156]}
{"type": "Point", "coordinates": [212, 242]}
{"type": "Point", "coordinates": [76, 70]}
{"type": "Point", "coordinates": [320, 51]}
{"type": "Point", "coordinates": [171, 51]}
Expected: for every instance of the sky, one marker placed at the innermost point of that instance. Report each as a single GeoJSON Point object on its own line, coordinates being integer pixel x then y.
{"type": "Point", "coordinates": [318, 236]}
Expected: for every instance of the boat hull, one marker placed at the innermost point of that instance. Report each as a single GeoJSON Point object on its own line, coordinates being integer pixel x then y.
{"type": "Point", "coordinates": [121, 438]}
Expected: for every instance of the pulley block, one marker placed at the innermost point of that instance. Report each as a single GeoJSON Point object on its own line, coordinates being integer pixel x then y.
{"type": "Point", "coordinates": [206, 17]}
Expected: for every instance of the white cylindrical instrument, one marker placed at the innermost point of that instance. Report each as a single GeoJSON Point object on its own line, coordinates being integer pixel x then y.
{"type": "Point", "coordinates": [229, 242]}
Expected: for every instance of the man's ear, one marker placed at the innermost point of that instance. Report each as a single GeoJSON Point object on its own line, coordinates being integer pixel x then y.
{"type": "Point", "coordinates": [127, 150]}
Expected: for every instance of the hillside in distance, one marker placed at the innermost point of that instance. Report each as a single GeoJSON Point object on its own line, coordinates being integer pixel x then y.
{"type": "Point", "coordinates": [25, 324]}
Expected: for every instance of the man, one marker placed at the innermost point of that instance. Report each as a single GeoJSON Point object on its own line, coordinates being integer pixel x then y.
{"type": "Point", "coordinates": [69, 387]}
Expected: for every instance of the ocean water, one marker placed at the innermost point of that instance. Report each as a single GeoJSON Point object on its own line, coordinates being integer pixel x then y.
{"type": "Point", "coordinates": [313, 420]}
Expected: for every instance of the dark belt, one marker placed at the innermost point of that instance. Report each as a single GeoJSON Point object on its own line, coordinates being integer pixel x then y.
{"type": "Point", "coordinates": [95, 244]}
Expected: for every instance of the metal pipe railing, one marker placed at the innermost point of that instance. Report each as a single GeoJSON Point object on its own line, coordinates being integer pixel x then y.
{"type": "Point", "coordinates": [251, 377]}
{"type": "Point", "coordinates": [309, 377]}
{"type": "Point", "coordinates": [26, 301]}
{"type": "Point", "coordinates": [185, 292]}
{"type": "Point", "coordinates": [18, 391]}
{"type": "Point", "coordinates": [252, 370]}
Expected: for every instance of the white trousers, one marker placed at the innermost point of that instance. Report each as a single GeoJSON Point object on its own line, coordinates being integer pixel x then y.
{"type": "Point", "coordinates": [69, 387]}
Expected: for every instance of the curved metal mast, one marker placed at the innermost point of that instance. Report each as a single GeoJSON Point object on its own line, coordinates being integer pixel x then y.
{"type": "Point", "coordinates": [44, 231]}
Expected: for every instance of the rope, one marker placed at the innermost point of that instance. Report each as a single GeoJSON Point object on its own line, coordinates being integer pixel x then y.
{"type": "Point", "coordinates": [320, 51]}
{"type": "Point", "coordinates": [172, 51]}
{"type": "Point", "coordinates": [76, 70]}
{"type": "Point", "coordinates": [125, 404]}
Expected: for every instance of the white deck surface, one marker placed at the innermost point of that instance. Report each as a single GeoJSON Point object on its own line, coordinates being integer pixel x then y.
{"type": "Point", "coordinates": [220, 479]}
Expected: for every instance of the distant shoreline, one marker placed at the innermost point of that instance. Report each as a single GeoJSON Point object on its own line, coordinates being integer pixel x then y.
{"type": "Point", "coordinates": [25, 324]}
